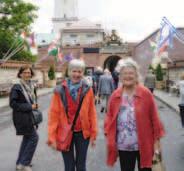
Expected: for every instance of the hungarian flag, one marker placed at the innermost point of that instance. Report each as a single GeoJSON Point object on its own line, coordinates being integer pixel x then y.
{"type": "Point", "coordinates": [53, 50]}
{"type": "Point", "coordinates": [60, 55]}
{"type": "Point", "coordinates": [31, 40]}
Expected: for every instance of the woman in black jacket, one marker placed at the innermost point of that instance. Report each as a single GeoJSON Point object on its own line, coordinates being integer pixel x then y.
{"type": "Point", "coordinates": [23, 101]}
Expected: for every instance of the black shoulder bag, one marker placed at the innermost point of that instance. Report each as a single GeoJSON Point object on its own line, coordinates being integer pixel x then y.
{"type": "Point", "coordinates": [37, 114]}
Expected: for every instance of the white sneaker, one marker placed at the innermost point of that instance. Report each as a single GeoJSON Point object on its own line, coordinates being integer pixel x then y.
{"type": "Point", "coordinates": [19, 167]}
{"type": "Point", "coordinates": [26, 168]}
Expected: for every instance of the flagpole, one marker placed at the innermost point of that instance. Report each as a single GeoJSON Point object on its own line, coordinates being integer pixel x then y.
{"type": "Point", "coordinates": [20, 46]}
{"type": "Point", "coordinates": [178, 34]}
{"type": "Point", "coordinates": [15, 43]}
{"type": "Point", "coordinates": [13, 53]}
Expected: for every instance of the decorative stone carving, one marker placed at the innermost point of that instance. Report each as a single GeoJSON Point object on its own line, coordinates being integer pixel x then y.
{"type": "Point", "coordinates": [112, 39]}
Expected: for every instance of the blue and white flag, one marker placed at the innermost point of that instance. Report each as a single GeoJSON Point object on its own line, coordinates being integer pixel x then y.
{"type": "Point", "coordinates": [167, 32]}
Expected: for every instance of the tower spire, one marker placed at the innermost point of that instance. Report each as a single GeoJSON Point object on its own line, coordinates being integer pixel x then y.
{"type": "Point", "coordinates": [64, 11]}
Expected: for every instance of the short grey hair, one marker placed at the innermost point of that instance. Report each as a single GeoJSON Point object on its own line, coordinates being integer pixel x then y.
{"type": "Point", "coordinates": [76, 64]}
{"type": "Point", "coordinates": [128, 63]}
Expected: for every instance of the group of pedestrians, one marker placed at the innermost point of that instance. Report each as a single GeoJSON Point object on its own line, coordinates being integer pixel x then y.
{"type": "Point", "coordinates": [132, 127]}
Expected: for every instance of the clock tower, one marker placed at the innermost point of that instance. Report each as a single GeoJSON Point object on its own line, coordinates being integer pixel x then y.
{"type": "Point", "coordinates": [65, 13]}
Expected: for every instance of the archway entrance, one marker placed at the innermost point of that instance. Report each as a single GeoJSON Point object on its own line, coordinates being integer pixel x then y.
{"type": "Point", "coordinates": [111, 62]}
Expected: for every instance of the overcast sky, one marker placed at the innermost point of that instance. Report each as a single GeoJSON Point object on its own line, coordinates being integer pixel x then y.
{"type": "Point", "coordinates": [133, 19]}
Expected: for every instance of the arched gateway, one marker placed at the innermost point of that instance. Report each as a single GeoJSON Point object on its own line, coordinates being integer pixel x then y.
{"type": "Point", "coordinates": [111, 62]}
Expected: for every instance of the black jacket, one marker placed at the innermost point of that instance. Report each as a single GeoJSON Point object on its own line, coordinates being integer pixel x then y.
{"type": "Point", "coordinates": [22, 111]}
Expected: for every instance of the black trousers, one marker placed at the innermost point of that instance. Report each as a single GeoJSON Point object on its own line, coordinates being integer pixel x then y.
{"type": "Point", "coordinates": [151, 89]}
{"type": "Point", "coordinates": [181, 106]}
{"type": "Point", "coordinates": [128, 160]}
{"type": "Point", "coordinates": [77, 161]}
{"type": "Point", "coordinates": [27, 148]}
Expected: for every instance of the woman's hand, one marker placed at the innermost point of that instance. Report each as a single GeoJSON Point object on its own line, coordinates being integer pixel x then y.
{"type": "Point", "coordinates": [157, 147]}
{"type": "Point", "coordinates": [53, 146]}
{"type": "Point", "coordinates": [34, 106]}
{"type": "Point", "coordinates": [93, 143]}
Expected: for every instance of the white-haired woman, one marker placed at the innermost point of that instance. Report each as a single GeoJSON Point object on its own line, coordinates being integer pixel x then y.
{"type": "Point", "coordinates": [65, 103]}
{"type": "Point", "coordinates": [132, 126]}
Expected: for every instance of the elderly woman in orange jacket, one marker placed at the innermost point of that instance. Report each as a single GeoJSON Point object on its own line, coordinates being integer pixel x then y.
{"type": "Point", "coordinates": [132, 125]}
{"type": "Point", "coordinates": [65, 103]}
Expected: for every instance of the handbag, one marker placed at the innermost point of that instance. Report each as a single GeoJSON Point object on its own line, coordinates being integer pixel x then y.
{"type": "Point", "coordinates": [37, 117]}
{"type": "Point", "coordinates": [157, 164]}
{"type": "Point", "coordinates": [66, 135]}
{"type": "Point", "coordinates": [37, 114]}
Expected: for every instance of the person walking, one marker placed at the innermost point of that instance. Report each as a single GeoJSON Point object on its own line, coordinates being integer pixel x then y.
{"type": "Point", "coordinates": [132, 125]}
{"type": "Point", "coordinates": [181, 104]}
{"type": "Point", "coordinates": [150, 81]}
{"type": "Point", "coordinates": [105, 88]}
{"type": "Point", "coordinates": [98, 72]}
{"type": "Point", "coordinates": [69, 99]}
{"type": "Point", "coordinates": [20, 95]}
{"type": "Point", "coordinates": [115, 76]}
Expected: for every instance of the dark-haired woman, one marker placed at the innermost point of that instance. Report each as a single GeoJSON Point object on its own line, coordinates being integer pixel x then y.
{"type": "Point", "coordinates": [23, 101]}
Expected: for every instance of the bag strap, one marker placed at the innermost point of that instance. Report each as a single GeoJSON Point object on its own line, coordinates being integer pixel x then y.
{"type": "Point", "coordinates": [77, 114]}
{"type": "Point", "coordinates": [36, 96]}
{"type": "Point", "coordinates": [63, 96]}
{"type": "Point", "coordinates": [26, 95]}
{"type": "Point", "coordinates": [85, 90]}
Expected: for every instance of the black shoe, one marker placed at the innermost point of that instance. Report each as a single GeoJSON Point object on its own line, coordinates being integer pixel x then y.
{"type": "Point", "coordinates": [102, 109]}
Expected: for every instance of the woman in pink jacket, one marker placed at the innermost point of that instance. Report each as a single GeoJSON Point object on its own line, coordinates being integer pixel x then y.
{"type": "Point", "coordinates": [132, 126]}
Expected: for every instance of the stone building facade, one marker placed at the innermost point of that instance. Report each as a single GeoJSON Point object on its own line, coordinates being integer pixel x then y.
{"type": "Point", "coordinates": [104, 53]}
{"type": "Point", "coordinates": [175, 62]}
{"type": "Point", "coordinates": [9, 70]}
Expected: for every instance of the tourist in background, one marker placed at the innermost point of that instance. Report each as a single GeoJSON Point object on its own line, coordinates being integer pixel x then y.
{"type": "Point", "coordinates": [105, 88]}
{"type": "Point", "coordinates": [97, 73]}
{"type": "Point", "coordinates": [132, 125]}
{"type": "Point", "coordinates": [115, 76]}
{"type": "Point", "coordinates": [23, 102]}
{"type": "Point", "coordinates": [66, 101]}
{"type": "Point", "coordinates": [181, 92]}
{"type": "Point", "coordinates": [89, 79]}
{"type": "Point", "coordinates": [150, 81]}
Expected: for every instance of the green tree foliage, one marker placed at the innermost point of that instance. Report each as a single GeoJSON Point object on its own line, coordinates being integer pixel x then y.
{"type": "Point", "coordinates": [51, 73]}
{"type": "Point", "coordinates": [159, 73]}
{"type": "Point", "coordinates": [16, 16]}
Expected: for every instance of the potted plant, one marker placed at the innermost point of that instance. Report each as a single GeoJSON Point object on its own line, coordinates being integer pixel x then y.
{"type": "Point", "coordinates": [151, 69]}
{"type": "Point", "coordinates": [159, 76]}
{"type": "Point", "coordinates": [52, 77]}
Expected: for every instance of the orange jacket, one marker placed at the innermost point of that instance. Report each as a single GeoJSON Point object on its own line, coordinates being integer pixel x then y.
{"type": "Point", "coordinates": [57, 117]}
